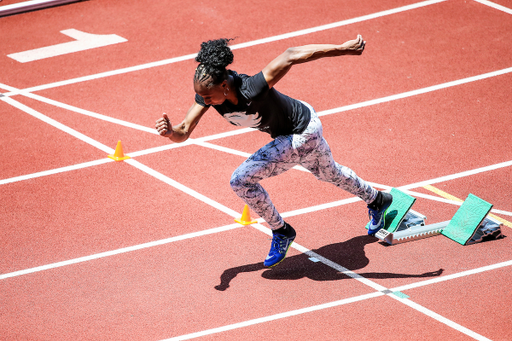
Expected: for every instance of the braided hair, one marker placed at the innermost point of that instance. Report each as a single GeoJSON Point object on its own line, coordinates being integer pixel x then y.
{"type": "Point", "coordinates": [214, 57]}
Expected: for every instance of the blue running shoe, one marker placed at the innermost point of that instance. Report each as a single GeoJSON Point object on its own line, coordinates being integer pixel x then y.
{"type": "Point", "coordinates": [280, 245]}
{"type": "Point", "coordinates": [377, 211]}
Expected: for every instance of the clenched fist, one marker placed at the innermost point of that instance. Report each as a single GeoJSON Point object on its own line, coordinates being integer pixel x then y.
{"type": "Point", "coordinates": [355, 46]}
{"type": "Point", "coordinates": [163, 126]}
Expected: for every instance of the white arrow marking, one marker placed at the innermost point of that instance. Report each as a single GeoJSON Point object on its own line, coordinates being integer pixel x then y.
{"type": "Point", "coordinates": [84, 41]}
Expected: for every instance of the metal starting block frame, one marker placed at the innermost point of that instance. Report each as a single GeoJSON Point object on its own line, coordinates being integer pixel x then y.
{"type": "Point", "coordinates": [490, 228]}
{"type": "Point", "coordinates": [467, 226]}
{"type": "Point", "coordinates": [412, 228]}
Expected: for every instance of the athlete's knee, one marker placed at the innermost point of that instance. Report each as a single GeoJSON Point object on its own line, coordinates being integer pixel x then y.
{"type": "Point", "coordinates": [238, 181]}
{"type": "Point", "coordinates": [234, 182]}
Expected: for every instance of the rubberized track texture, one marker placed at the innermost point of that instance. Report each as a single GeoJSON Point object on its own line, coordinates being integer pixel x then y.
{"type": "Point", "coordinates": [148, 249]}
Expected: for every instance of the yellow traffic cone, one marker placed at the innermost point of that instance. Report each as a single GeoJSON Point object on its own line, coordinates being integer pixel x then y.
{"type": "Point", "coordinates": [118, 154]}
{"type": "Point", "coordinates": [246, 217]}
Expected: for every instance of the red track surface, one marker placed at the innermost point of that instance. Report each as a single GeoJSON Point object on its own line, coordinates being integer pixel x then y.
{"type": "Point", "coordinates": [156, 285]}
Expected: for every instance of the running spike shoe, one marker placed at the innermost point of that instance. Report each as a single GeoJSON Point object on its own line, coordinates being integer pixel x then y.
{"type": "Point", "coordinates": [377, 212]}
{"type": "Point", "coordinates": [280, 245]}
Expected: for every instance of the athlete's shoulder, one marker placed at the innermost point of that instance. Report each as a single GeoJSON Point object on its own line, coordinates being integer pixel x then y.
{"type": "Point", "coordinates": [251, 87]}
{"type": "Point", "coordinates": [243, 78]}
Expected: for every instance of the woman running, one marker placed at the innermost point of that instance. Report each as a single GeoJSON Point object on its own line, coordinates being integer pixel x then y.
{"type": "Point", "coordinates": [252, 101]}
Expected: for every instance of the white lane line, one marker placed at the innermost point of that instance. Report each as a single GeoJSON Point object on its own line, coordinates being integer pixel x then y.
{"type": "Point", "coordinates": [377, 287]}
{"type": "Point", "coordinates": [183, 188]}
{"type": "Point", "coordinates": [448, 201]}
{"type": "Point", "coordinates": [289, 313]}
{"type": "Point", "coordinates": [222, 208]}
{"type": "Point", "coordinates": [325, 261]}
{"type": "Point", "coordinates": [163, 148]}
{"type": "Point", "coordinates": [221, 148]}
{"type": "Point", "coordinates": [501, 212]}
{"type": "Point", "coordinates": [56, 171]}
{"type": "Point", "coordinates": [416, 92]}
{"type": "Point", "coordinates": [200, 142]}
{"type": "Point", "coordinates": [322, 307]}
{"type": "Point", "coordinates": [496, 6]}
{"type": "Point", "coordinates": [189, 235]}
{"type": "Point", "coordinates": [106, 74]}
{"type": "Point", "coordinates": [345, 271]}
{"type": "Point", "coordinates": [120, 251]}
{"type": "Point", "coordinates": [234, 47]}
{"type": "Point", "coordinates": [13, 90]}
{"type": "Point", "coordinates": [333, 304]}
{"type": "Point", "coordinates": [453, 276]}
{"type": "Point", "coordinates": [328, 112]}
{"type": "Point", "coordinates": [90, 113]}
{"type": "Point", "coordinates": [457, 175]}
{"type": "Point", "coordinates": [57, 124]}
{"type": "Point", "coordinates": [79, 110]}
{"type": "Point", "coordinates": [275, 317]}
{"type": "Point", "coordinates": [247, 130]}
{"type": "Point", "coordinates": [227, 210]}
{"type": "Point", "coordinates": [260, 227]}
{"type": "Point", "coordinates": [440, 318]}
{"type": "Point", "coordinates": [337, 24]}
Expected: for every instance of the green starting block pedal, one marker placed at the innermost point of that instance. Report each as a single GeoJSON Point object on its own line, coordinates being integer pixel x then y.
{"type": "Point", "coordinates": [398, 211]}
{"type": "Point", "coordinates": [470, 224]}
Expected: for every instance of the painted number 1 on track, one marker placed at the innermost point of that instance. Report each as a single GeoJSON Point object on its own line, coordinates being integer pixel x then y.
{"type": "Point", "coordinates": [83, 41]}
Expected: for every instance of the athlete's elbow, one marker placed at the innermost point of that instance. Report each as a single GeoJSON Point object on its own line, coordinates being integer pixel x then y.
{"type": "Point", "coordinates": [297, 55]}
{"type": "Point", "coordinates": [292, 55]}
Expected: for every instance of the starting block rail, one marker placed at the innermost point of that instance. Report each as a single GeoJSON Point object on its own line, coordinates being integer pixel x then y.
{"type": "Point", "coordinates": [469, 225]}
{"type": "Point", "coordinates": [411, 233]}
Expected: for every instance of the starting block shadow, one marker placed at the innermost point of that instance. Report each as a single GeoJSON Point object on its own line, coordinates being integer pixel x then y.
{"type": "Point", "coordinates": [469, 225]}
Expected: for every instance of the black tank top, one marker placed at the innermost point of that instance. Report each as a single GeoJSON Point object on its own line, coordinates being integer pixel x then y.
{"type": "Point", "coordinates": [262, 108]}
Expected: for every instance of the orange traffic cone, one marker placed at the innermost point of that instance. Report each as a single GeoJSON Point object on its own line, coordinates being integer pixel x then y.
{"type": "Point", "coordinates": [118, 154]}
{"type": "Point", "coordinates": [246, 217]}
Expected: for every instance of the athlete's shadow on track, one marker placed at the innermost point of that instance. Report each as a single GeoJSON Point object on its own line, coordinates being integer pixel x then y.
{"type": "Point", "coordinates": [349, 254]}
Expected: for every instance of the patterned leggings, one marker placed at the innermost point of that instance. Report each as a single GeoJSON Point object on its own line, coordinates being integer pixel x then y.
{"type": "Point", "coordinates": [309, 150]}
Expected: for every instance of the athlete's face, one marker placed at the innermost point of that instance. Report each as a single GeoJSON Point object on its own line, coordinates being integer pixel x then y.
{"type": "Point", "coordinates": [213, 95]}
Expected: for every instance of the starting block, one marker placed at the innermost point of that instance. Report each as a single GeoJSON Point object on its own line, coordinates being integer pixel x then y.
{"type": "Point", "coordinates": [469, 225]}
{"type": "Point", "coordinates": [399, 215]}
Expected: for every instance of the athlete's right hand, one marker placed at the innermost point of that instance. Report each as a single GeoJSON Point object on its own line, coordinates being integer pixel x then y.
{"type": "Point", "coordinates": [355, 46]}
{"type": "Point", "coordinates": [163, 126]}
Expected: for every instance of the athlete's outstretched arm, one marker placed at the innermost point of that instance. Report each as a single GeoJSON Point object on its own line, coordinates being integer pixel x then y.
{"type": "Point", "coordinates": [276, 70]}
{"type": "Point", "coordinates": [182, 131]}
